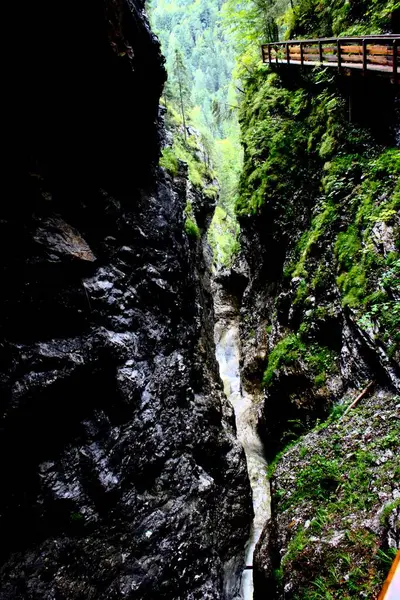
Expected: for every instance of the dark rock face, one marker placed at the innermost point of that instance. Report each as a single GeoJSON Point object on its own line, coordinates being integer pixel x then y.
{"type": "Point", "coordinates": [121, 473]}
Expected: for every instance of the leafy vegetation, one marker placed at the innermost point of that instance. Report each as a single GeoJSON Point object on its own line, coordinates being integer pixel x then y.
{"type": "Point", "coordinates": [312, 18]}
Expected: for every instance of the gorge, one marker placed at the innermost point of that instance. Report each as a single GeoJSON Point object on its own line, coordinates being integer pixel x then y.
{"type": "Point", "coordinates": [186, 316]}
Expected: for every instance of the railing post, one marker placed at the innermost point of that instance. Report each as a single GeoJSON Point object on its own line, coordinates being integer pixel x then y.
{"type": "Point", "coordinates": [287, 54]}
{"type": "Point", "coordinates": [276, 53]}
{"type": "Point", "coordinates": [269, 54]}
{"type": "Point", "coordinates": [395, 58]}
{"type": "Point", "coordinates": [365, 56]}
{"type": "Point", "coordinates": [339, 55]}
{"type": "Point", "coordinates": [321, 54]}
{"type": "Point", "coordinates": [301, 54]}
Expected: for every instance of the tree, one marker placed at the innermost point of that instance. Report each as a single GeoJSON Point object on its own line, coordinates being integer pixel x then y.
{"type": "Point", "coordinates": [181, 76]}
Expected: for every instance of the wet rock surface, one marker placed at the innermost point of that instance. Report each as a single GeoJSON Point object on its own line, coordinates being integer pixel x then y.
{"type": "Point", "coordinates": [122, 476]}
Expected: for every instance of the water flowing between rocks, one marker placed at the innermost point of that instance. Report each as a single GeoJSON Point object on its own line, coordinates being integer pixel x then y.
{"type": "Point", "coordinates": [228, 354]}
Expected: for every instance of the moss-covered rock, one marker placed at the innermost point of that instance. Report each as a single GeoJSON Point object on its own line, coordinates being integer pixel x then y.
{"type": "Point", "coordinates": [336, 508]}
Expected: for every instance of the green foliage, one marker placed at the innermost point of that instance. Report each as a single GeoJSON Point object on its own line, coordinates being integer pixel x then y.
{"type": "Point", "coordinates": [299, 147]}
{"type": "Point", "coordinates": [201, 94]}
{"type": "Point", "coordinates": [190, 150]}
{"type": "Point", "coordinates": [77, 517]}
{"type": "Point", "coordinates": [199, 58]}
{"type": "Point", "coordinates": [181, 90]}
{"type": "Point", "coordinates": [318, 479]}
{"type": "Point", "coordinates": [321, 18]}
{"type": "Point", "coordinates": [319, 224]}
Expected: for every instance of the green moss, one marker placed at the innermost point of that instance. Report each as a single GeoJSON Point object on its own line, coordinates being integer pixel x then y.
{"type": "Point", "coordinates": [211, 192]}
{"type": "Point", "coordinates": [291, 349]}
{"type": "Point", "coordinates": [388, 510]}
{"type": "Point", "coordinates": [365, 278]}
{"type": "Point", "coordinates": [318, 479]}
{"type": "Point", "coordinates": [169, 161]}
{"type": "Point", "coordinates": [348, 247]}
{"type": "Point", "coordinates": [192, 229]}
{"type": "Point", "coordinates": [286, 352]}
{"type": "Point", "coordinates": [320, 379]}
{"type": "Point", "coordinates": [191, 226]}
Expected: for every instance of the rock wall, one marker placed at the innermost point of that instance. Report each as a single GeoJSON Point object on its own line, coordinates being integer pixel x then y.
{"type": "Point", "coordinates": [319, 215]}
{"type": "Point", "coordinates": [318, 286]}
{"type": "Point", "coordinates": [122, 476]}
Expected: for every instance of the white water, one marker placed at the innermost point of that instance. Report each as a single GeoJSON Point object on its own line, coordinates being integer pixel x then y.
{"type": "Point", "coordinates": [227, 353]}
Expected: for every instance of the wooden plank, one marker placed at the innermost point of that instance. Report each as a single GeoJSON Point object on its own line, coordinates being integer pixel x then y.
{"type": "Point", "coordinates": [307, 56]}
{"type": "Point", "coordinates": [352, 58]}
{"type": "Point", "coordinates": [310, 49]}
{"type": "Point", "coordinates": [325, 50]}
{"type": "Point", "coordinates": [352, 49]}
{"type": "Point", "coordinates": [379, 49]}
{"type": "Point", "coordinates": [380, 60]}
{"type": "Point", "coordinates": [377, 68]}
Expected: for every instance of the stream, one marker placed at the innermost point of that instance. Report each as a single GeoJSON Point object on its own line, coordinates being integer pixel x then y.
{"type": "Point", "coordinates": [228, 354]}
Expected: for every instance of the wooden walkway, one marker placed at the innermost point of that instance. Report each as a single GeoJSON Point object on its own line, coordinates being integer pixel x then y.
{"type": "Point", "coordinates": [376, 54]}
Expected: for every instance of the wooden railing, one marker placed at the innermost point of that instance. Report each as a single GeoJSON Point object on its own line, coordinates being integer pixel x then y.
{"type": "Point", "coordinates": [379, 53]}
{"type": "Point", "coordinates": [391, 588]}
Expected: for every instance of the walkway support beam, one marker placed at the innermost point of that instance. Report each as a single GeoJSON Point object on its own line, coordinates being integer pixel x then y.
{"type": "Point", "coordinates": [365, 55]}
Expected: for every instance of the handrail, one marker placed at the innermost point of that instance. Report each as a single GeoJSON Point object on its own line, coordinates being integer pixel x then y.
{"type": "Point", "coordinates": [377, 53]}
{"type": "Point", "coordinates": [384, 36]}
